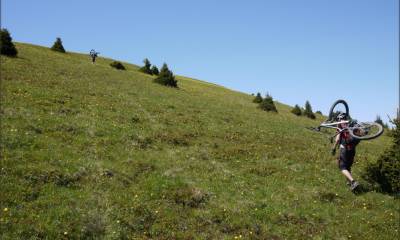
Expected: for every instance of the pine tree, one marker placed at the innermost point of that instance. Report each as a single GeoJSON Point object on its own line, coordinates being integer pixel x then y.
{"type": "Point", "coordinates": [267, 104]}
{"type": "Point", "coordinates": [258, 98]}
{"type": "Point", "coordinates": [385, 172]}
{"type": "Point", "coordinates": [379, 120]}
{"type": "Point", "coordinates": [154, 70]}
{"type": "Point", "coordinates": [7, 47]}
{"type": "Point", "coordinates": [58, 46]}
{"type": "Point", "coordinates": [308, 111]}
{"type": "Point", "coordinates": [166, 77]}
{"type": "Point", "coordinates": [296, 110]}
{"type": "Point", "coordinates": [147, 67]}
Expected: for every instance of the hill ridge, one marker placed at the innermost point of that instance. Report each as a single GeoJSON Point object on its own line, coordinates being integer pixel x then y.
{"type": "Point", "coordinates": [95, 153]}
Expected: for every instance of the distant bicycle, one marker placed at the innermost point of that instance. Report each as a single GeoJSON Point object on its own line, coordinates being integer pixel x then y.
{"type": "Point", "coordinates": [358, 130]}
{"type": "Point", "coordinates": [93, 54]}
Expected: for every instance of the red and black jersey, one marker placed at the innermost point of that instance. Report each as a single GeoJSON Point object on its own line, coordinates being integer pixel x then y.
{"type": "Point", "coordinates": [348, 141]}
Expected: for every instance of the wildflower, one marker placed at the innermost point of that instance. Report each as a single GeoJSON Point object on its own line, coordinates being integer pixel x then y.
{"type": "Point", "coordinates": [65, 233]}
{"type": "Point", "coordinates": [5, 209]}
{"type": "Point", "coordinates": [117, 221]}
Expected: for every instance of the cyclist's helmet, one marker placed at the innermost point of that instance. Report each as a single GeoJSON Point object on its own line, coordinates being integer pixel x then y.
{"type": "Point", "coordinates": [341, 116]}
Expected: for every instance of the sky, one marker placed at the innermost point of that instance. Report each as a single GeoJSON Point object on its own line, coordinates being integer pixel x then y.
{"type": "Point", "coordinates": [315, 50]}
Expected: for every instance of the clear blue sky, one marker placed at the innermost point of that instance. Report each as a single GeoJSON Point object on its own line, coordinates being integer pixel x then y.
{"type": "Point", "coordinates": [297, 50]}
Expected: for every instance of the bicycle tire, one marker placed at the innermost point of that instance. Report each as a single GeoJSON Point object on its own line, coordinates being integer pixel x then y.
{"type": "Point", "coordinates": [367, 137]}
{"type": "Point", "coordinates": [331, 112]}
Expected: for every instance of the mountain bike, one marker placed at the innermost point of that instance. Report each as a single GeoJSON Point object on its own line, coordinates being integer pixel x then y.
{"type": "Point", "coordinates": [341, 121]}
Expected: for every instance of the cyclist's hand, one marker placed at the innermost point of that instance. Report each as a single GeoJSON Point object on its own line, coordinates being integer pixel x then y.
{"type": "Point", "coordinates": [333, 152]}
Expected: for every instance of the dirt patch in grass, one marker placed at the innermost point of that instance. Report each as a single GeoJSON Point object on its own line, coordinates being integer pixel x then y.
{"type": "Point", "coordinates": [176, 138]}
{"type": "Point", "coordinates": [141, 142]}
{"type": "Point", "coordinates": [187, 196]}
{"type": "Point", "coordinates": [128, 177]}
{"type": "Point", "coordinates": [56, 177]}
{"type": "Point", "coordinates": [262, 170]}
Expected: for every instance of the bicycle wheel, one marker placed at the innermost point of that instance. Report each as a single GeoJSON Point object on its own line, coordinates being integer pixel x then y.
{"type": "Point", "coordinates": [366, 131]}
{"type": "Point", "coordinates": [337, 107]}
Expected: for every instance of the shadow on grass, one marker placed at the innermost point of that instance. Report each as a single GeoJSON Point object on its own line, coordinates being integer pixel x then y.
{"type": "Point", "coordinates": [363, 189]}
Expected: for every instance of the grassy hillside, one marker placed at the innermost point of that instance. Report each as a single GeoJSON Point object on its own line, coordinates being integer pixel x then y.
{"type": "Point", "coordinates": [90, 152]}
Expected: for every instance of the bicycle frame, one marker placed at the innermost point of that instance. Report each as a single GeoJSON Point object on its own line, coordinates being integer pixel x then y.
{"type": "Point", "coordinates": [334, 125]}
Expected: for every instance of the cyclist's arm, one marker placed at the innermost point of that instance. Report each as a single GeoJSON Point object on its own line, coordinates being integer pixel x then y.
{"type": "Point", "coordinates": [335, 144]}
{"type": "Point", "coordinates": [337, 141]}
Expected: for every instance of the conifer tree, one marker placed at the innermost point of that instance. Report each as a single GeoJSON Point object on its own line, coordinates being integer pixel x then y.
{"type": "Point", "coordinates": [258, 98]}
{"type": "Point", "coordinates": [296, 110]}
{"type": "Point", "coordinates": [308, 111]}
{"type": "Point", "coordinates": [7, 47]}
{"type": "Point", "coordinates": [154, 70]}
{"type": "Point", "coordinates": [267, 104]}
{"type": "Point", "coordinates": [147, 67]}
{"type": "Point", "coordinates": [58, 46]}
{"type": "Point", "coordinates": [166, 77]}
{"type": "Point", "coordinates": [385, 172]}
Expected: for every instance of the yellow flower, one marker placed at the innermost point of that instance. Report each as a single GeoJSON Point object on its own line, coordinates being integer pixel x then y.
{"type": "Point", "coordinates": [5, 209]}
{"type": "Point", "coordinates": [65, 233]}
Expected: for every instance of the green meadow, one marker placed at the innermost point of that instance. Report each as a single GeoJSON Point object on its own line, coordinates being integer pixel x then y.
{"type": "Point", "coordinates": [91, 152]}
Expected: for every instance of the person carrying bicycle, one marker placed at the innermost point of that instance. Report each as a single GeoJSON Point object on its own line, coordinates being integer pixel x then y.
{"type": "Point", "coordinates": [347, 150]}
{"type": "Point", "coordinates": [93, 54]}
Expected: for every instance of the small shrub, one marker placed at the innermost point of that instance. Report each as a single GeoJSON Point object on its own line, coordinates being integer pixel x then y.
{"type": "Point", "coordinates": [117, 65]}
{"type": "Point", "coordinates": [296, 110]}
{"type": "Point", "coordinates": [166, 77]}
{"type": "Point", "coordinates": [319, 112]}
{"type": "Point", "coordinates": [385, 173]}
{"type": "Point", "coordinates": [189, 196]}
{"type": "Point", "coordinates": [154, 70]}
{"type": "Point", "coordinates": [58, 46]}
{"type": "Point", "coordinates": [258, 98]}
{"type": "Point", "coordinates": [267, 104]}
{"type": "Point", "coordinates": [147, 67]}
{"type": "Point", "coordinates": [7, 47]}
{"type": "Point", "coordinates": [308, 111]}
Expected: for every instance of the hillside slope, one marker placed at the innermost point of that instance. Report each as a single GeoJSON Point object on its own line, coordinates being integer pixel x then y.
{"type": "Point", "coordinates": [90, 152]}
